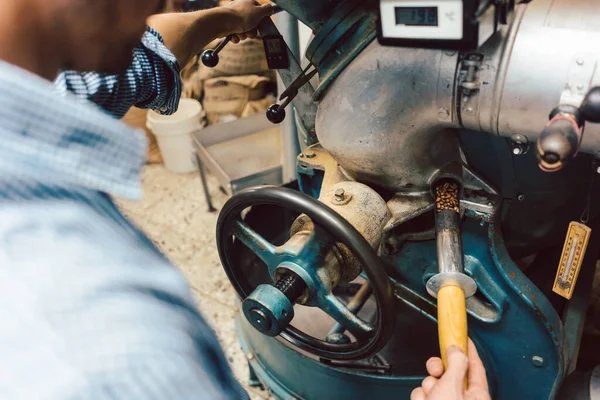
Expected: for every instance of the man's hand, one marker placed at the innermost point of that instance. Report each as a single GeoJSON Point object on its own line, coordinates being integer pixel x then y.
{"type": "Point", "coordinates": [448, 385]}
{"type": "Point", "coordinates": [247, 14]}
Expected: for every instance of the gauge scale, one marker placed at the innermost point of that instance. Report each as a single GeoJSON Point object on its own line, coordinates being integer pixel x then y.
{"type": "Point", "coordinates": [444, 24]}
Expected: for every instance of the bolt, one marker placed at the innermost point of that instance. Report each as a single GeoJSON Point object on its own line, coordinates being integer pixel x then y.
{"type": "Point", "coordinates": [521, 197]}
{"type": "Point", "coordinates": [580, 87]}
{"type": "Point", "coordinates": [261, 319]}
{"type": "Point", "coordinates": [580, 61]}
{"type": "Point", "coordinates": [309, 154]}
{"type": "Point", "coordinates": [537, 361]}
{"type": "Point", "coordinates": [517, 150]}
{"type": "Point", "coordinates": [443, 113]}
{"type": "Point", "coordinates": [338, 338]}
{"type": "Point", "coordinates": [339, 194]}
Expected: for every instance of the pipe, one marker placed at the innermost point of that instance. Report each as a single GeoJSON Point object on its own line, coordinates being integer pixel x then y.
{"type": "Point", "coordinates": [288, 27]}
{"type": "Point", "coordinates": [450, 285]}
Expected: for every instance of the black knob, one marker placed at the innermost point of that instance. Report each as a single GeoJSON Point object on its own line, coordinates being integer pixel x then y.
{"type": "Point", "coordinates": [210, 58]}
{"type": "Point", "coordinates": [590, 108]}
{"type": "Point", "coordinates": [276, 114]}
{"type": "Point", "coordinates": [558, 143]}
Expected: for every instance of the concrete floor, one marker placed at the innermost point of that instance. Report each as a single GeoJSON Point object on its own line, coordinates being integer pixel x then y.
{"type": "Point", "coordinates": [173, 214]}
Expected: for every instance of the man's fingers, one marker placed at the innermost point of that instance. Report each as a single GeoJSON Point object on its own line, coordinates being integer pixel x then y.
{"type": "Point", "coordinates": [476, 375]}
{"type": "Point", "coordinates": [235, 39]}
{"type": "Point", "coordinates": [428, 384]}
{"type": "Point", "coordinates": [435, 367]}
{"type": "Point", "coordinates": [417, 394]}
{"type": "Point", "coordinates": [251, 34]}
{"type": "Point", "coordinates": [457, 368]}
{"type": "Point", "coordinates": [267, 9]}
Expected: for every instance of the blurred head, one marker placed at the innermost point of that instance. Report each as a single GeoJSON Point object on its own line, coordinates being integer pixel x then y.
{"type": "Point", "coordinates": [99, 35]}
{"type": "Point", "coordinates": [45, 36]}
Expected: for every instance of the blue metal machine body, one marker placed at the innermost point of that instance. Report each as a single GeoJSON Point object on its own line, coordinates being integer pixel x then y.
{"type": "Point", "coordinates": [517, 331]}
{"type": "Point", "coordinates": [526, 347]}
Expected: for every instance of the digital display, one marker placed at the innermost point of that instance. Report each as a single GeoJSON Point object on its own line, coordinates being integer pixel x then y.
{"type": "Point", "coordinates": [417, 16]}
{"type": "Point", "coordinates": [274, 46]}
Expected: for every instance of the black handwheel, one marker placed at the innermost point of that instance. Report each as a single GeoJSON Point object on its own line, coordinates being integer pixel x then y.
{"type": "Point", "coordinates": [330, 228]}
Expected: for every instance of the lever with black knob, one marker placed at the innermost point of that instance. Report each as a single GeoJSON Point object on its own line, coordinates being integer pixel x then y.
{"type": "Point", "coordinates": [560, 140]}
{"type": "Point", "coordinates": [210, 58]}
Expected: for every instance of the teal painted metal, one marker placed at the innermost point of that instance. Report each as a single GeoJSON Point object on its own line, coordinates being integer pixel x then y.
{"type": "Point", "coordinates": [511, 319]}
{"type": "Point", "coordinates": [289, 375]}
{"type": "Point", "coordinates": [520, 336]}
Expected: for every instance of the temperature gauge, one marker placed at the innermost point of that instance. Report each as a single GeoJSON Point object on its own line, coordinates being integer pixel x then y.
{"type": "Point", "coordinates": [444, 24]}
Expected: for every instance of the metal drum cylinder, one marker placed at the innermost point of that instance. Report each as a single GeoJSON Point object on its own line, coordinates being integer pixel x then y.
{"type": "Point", "coordinates": [384, 118]}
{"type": "Point", "coordinates": [549, 56]}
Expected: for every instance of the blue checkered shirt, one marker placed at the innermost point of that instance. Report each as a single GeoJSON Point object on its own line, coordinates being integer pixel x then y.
{"type": "Point", "coordinates": [152, 81]}
{"type": "Point", "coordinates": [90, 309]}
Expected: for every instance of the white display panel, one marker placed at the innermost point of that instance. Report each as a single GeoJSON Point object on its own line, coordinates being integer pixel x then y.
{"type": "Point", "coordinates": [415, 19]}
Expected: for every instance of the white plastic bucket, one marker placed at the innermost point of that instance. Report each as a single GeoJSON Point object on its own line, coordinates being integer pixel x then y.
{"type": "Point", "coordinates": [173, 135]}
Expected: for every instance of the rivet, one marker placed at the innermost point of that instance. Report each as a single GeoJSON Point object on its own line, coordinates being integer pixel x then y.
{"type": "Point", "coordinates": [580, 61]}
{"type": "Point", "coordinates": [580, 87]}
{"type": "Point", "coordinates": [517, 150]}
{"type": "Point", "coordinates": [537, 361]}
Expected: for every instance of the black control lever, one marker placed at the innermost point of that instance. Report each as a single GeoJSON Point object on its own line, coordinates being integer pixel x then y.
{"type": "Point", "coordinates": [210, 58]}
{"type": "Point", "coordinates": [276, 113]}
{"type": "Point", "coordinates": [560, 140]}
{"type": "Point", "coordinates": [590, 108]}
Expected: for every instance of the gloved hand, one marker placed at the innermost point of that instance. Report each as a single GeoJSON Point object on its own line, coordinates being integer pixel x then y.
{"type": "Point", "coordinates": [440, 385]}
{"type": "Point", "coordinates": [247, 14]}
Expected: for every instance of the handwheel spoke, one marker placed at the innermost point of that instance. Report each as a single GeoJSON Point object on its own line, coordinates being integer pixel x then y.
{"type": "Point", "coordinates": [338, 311]}
{"type": "Point", "coordinates": [264, 249]}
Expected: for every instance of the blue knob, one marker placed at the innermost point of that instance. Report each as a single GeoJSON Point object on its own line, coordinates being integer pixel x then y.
{"type": "Point", "coordinates": [268, 310]}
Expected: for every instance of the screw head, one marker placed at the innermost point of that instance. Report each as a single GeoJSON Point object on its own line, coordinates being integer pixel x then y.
{"type": "Point", "coordinates": [250, 356]}
{"type": "Point", "coordinates": [521, 197]}
{"type": "Point", "coordinates": [309, 154]}
{"type": "Point", "coordinates": [339, 194]}
{"type": "Point", "coordinates": [580, 87]}
{"type": "Point", "coordinates": [537, 361]}
{"type": "Point", "coordinates": [469, 109]}
{"type": "Point", "coordinates": [517, 150]}
{"type": "Point", "coordinates": [580, 61]}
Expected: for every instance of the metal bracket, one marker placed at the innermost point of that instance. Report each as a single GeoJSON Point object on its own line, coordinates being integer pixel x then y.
{"type": "Point", "coordinates": [579, 81]}
{"type": "Point", "coordinates": [303, 102]}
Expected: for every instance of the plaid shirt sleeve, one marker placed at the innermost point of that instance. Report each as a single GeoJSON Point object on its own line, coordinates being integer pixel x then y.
{"type": "Point", "coordinates": [152, 81]}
